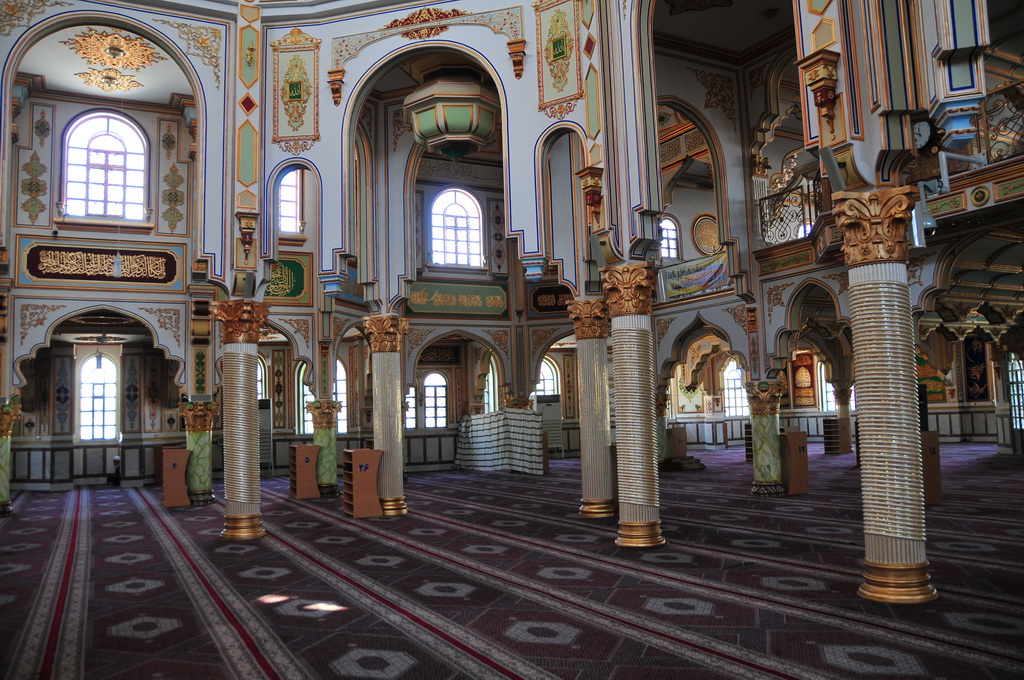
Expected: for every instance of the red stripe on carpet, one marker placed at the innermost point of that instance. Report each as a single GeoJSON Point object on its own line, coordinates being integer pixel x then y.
{"type": "Point", "coordinates": [571, 601]}
{"type": "Point", "coordinates": [62, 596]}
{"type": "Point", "coordinates": [239, 627]}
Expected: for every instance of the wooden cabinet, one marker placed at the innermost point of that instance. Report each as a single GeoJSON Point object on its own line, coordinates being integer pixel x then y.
{"type": "Point", "coordinates": [793, 445]}
{"type": "Point", "coordinates": [174, 463]}
{"type": "Point", "coordinates": [359, 481]}
{"type": "Point", "coordinates": [932, 469]}
{"type": "Point", "coordinates": [302, 471]}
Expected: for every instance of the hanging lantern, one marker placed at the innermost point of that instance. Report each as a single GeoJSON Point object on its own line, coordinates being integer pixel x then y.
{"type": "Point", "coordinates": [453, 114]}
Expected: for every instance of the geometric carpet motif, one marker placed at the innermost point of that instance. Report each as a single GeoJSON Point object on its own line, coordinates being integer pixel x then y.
{"type": "Point", "coordinates": [494, 575]}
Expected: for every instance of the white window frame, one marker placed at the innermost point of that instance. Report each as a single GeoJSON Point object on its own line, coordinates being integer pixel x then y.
{"type": "Point", "coordinates": [668, 237]}
{"type": "Point", "coordinates": [549, 378]}
{"type": "Point", "coordinates": [88, 182]}
{"type": "Point", "coordinates": [456, 239]}
{"type": "Point", "coordinates": [435, 400]}
{"type": "Point", "coordinates": [341, 395]}
{"type": "Point", "coordinates": [114, 387]}
{"type": "Point", "coordinates": [289, 199]}
{"type": "Point", "coordinates": [304, 395]}
{"type": "Point", "coordinates": [734, 393]}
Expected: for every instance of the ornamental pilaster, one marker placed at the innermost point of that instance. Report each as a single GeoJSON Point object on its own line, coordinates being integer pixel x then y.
{"type": "Point", "coordinates": [386, 332]}
{"type": "Point", "coordinates": [629, 289]}
{"type": "Point", "coordinates": [325, 414]}
{"type": "Point", "coordinates": [9, 412]}
{"type": "Point", "coordinates": [590, 318]}
{"type": "Point", "coordinates": [765, 398]}
{"type": "Point", "coordinates": [198, 415]}
{"type": "Point", "coordinates": [240, 320]}
{"type": "Point", "coordinates": [874, 224]}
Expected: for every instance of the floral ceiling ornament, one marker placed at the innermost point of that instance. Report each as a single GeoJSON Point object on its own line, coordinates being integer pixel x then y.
{"type": "Point", "coordinates": [424, 16]}
{"type": "Point", "coordinates": [203, 42]}
{"type": "Point", "coordinates": [110, 80]}
{"type": "Point", "coordinates": [718, 93]}
{"type": "Point", "coordinates": [15, 13]}
{"type": "Point", "coordinates": [113, 50]}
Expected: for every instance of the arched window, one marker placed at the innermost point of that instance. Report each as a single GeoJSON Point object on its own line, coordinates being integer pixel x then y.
{"type": "Point", "coordinates": [105, 168]}
{"type": "Point", "coordinates": [668, 230]}
{"type": "Point", "coordinates": [261, 378]}
{"type": "Point", "coordinates": [410, 408]}
{"type": "Point", "coordinates": [735, 393]}
{"type": "Point", "coordinates": [828, 395]}
{"type": "Point", "coordinates": [435, 400]}
{"type": "Point", "coordinates": [455, 229]}
{"type": "Point", "coordinates": [1015, 389]}
{"type": "Point", "coordinates": [305, 395]}
{"type": "Point", "coordinates": [341, 394]}
{"type": "Point", "coordinates": [491, 387]}
{"type": "Point", "coordinates": [98, 398]}
{"type": "Point", "coordinates": [290, 218]}
{"type": "Point", "coordinates": [548, 383]}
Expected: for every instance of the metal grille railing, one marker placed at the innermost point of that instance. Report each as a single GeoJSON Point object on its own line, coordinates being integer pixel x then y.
{"type": "Point", "coordinates": [1001, 124]}
{"type": "Point", "coordinates": [789, 214]}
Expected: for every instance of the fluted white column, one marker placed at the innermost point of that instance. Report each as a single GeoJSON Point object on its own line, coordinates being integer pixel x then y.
{"type": "Point", "coordinates": [874, 228]}
{"type": "Point", "coordinates": [386, 333]}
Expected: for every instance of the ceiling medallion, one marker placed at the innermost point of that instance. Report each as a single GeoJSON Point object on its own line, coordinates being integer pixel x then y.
{"type": "Point", "coordinates": [109, 80]}
{"type": "Point", "coordinates": [113, 50]}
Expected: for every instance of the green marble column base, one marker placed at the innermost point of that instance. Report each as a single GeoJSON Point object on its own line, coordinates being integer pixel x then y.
{"type": "Point", "coordinates": [329, 490]}
{"type": "Point", "coordinates": [768, 489]}
{"type": "Point", "coordinates": [5, 509]}
{"type": "Point", "coordinates": [200, 498]}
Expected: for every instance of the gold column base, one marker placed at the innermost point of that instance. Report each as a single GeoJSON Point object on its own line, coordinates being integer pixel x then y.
{"type": "Point", "coordinates": [640, 534]}
{"type": "Point", "coordinates": [768, 489]}
{"type": "Point", "coordinates": [242, 528]}
{"type": "Point", "coordinates": [597, 508]}
{"type": "Point", "coordinates": [897, 583]}
{"type": "Point", "coordinates": [394, 507]}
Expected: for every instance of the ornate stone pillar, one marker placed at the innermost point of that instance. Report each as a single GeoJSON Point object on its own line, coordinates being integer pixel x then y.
{"type": "Point", "coordinates": [874, 225]}
{"type": "Point", "coordinates": [843, 391]}
{"type": "Point", "coordinates": [199, 417]}
{"type": "Point", "coordinates": [9, 412]}
{"type": "Point", "coordinates": [240, 334]}
{"type": "Point", "coordinates": [765, 399]}
{"type": "Point", "coordinates": [386, 333]}
{"type": "Point", "coordinates": [590, 319]}
{"type": "Point", "coordinates": [325, 429]}
{"type": "Point", "coordinates": [629, 291]}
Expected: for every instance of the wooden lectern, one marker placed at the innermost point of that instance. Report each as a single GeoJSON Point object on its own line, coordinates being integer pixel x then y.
{"type": "Point", "coordinates": [359, 480]}
{"type": "Point", "coordinates": [174, 464]}
{"type": "Point", "coordinates": [302, 471]}
{"type": "Point", "coordinates": [793, 447]}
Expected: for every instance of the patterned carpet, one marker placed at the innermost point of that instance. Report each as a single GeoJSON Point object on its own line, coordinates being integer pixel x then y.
{"type": "Point", "coordinates": [492, 575]}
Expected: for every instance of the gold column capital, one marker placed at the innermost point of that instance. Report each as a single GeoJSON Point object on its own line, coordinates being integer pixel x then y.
{"type": "Point", "coordinates": [325, 413]}
{"type": "Point", "coordinates": [629, 288]}
{"type": "Point", "coordinates": [386, 332]}
{"type": "Point", "coordinates": [198, 415]}
{"type": "Point", "coordinates": [589, 318]}
{"type": "Point", "coordinates": [874, 224]}
{"type": "Point", "coordinates": [241, 320]}
{"type": "Point", "coordinates": [765, 398]}
{"type": "Point", "coordinates": [9, 412]}
{"type": "Point", "coordinates": [512, 401]}
{"type": "Point", "coordinates": [843, 391]}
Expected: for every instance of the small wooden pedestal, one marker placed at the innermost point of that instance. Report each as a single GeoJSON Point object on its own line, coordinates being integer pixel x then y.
{"type": "Point", "coordinates": [793, 447]}
{"type": "Point", "coordinates": [302, 471]}
{"type": "Point", "coordinates": [173, 465]}
{"type": "Point", "coordinates": [359, 480]}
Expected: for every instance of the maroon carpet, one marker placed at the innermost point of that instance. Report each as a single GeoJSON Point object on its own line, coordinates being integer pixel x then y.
{"type": "Point", "coordinates": [493, 575]}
